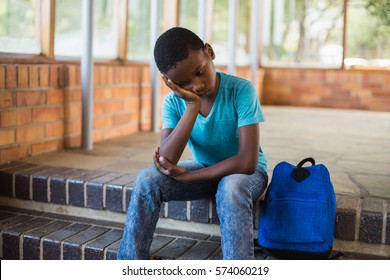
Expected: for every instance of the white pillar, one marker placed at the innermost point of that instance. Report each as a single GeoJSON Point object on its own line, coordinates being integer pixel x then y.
{"type": "Point", "coordinates": [233, 11]}
{"type": "Point", "coordinates": [254, 43]}
{"type": "Point", "coordinates": [87, 75]}
{"type": "Point", "coordinates": [202, 19]}
{"type": "Point", "coordinates": [278, 22]}
{"type": "Point", "coordinates": [266, 22]}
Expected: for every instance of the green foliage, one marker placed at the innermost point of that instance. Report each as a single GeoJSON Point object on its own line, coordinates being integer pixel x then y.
{"type": "Point", "coordinates": [17, 18]}
{"type": "Point", "coordinates": [379, 9]}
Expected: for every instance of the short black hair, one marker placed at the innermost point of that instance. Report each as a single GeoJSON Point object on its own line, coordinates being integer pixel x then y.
{"type": "Point", "coordinates": [173, 46]}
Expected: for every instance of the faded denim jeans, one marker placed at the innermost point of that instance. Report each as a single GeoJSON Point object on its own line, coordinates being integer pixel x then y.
{"type": "Point", "coordinates": [235, 195]}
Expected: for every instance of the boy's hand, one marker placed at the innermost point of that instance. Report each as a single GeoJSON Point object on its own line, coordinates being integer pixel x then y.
{"type": "Point", "coordinates": [166, 167]}
{"type": "Point", "coordinates": [188, 96]}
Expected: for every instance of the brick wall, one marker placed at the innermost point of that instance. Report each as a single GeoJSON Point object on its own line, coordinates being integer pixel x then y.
{"type": "Point", "coordinates": [343, 89]}
{"type": "Point", "coordinates": [40, 106]}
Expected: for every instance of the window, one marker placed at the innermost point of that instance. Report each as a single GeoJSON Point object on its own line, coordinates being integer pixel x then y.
{"type": "Point", "coordinates": [303, 33]}
{"type": "Point", "coordinates": [20, 26]}
{"type": "Point", "coordinates": [368, 34]}
{"type": "Point", "coordinates": [68, 29]}
{"type": "Point", "coordinates": [243, 33]}
{"type": "Point", "coordinates": [139, 30]}
{"type": "Point", "coordinates": [189, 14]}
{"type": "Point", "coordinates": [220, 33]}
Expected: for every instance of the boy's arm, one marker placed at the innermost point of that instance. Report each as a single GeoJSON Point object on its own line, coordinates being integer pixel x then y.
{"type": "Point", "coordinates": [174, 141]}
{"type": "Point", "coordinates": [244, 162]}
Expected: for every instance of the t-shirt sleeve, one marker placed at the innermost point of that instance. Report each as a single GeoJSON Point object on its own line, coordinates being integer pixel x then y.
{"type": "Point", "coordinates": [248, 106]}
{"type": "Point", "coordinates": [170, 116]}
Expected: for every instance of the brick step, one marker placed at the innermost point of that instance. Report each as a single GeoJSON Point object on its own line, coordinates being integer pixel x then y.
{"type": "Point", "coordinates": [33, 235]}
{"type": "Point", "coordinates": [360, 222]}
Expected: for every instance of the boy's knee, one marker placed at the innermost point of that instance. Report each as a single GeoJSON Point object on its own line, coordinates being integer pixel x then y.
{"type": "Point", "coordinates": [148, 176]}
{"type": "Point", "coordinates": [232, 190]}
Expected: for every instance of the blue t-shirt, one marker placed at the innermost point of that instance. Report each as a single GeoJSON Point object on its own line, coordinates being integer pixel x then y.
{"type": "Point", "coordinates": [215, 138]}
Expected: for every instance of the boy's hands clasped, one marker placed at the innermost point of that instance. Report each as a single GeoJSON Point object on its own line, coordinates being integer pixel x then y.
{"type": "Point", "coordinates": [167, 168]}
{"type": "Point", "coordinates": [163, 165]}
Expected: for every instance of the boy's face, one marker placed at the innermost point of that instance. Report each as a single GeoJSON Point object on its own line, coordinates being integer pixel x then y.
{"type": "Point", "coordinates": [196, 73]}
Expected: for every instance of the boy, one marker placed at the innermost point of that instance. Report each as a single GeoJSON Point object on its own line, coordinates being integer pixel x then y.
{"type": "Point", "coordinates": [218, 116]}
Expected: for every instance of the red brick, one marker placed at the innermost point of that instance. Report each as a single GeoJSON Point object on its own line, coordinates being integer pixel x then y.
{"type": "Point", "coordinates": [34, 76]}
{"type": "Point", "coordinates": [54, 76]}
{"type": "Point", "coordinates": [29, 134]}
{"type": "Point", "coordinates": [6, 100]}
{"type": "Point", "coordinates": [102, 122]}
{"type": "Point", "coordinates": [381, 93]}
{"type": "Point", "coordinates": [54, 129]}
{"type": "Point", "coordinates": [96, 77]}
{"type": "Point", "coordinates": [44, 75]}
{"type": "Point", "coordinates": [103, 93]}
{"type": "Point", "coordinates": [62, 76]}
{"type": "Point", "coordinates": [55, 96]}
{"type": "Point", "coordinates": [97, 135]}
{"type": "Point", "coordinates": [72, 142]}
{"type": "Point", "coordinates": [7, 118]}
{"type": "Point", "coordinates": [44, 147]}
{"type": "Point", "coordinates": [47, 114]}
{"type": "Point", "coordinates": [134, 91]}
{"type": "Point", "coordinates": [15, 117]}
{"type": "Point", "coordinates": [7, 136]}
{"type": "Point", "coordinates": [118, 75]}
{"type": "Point", "coordinates": [23, 76]}
{"type": "Point", "coordinates": [2, 76]}
{"type": "Point", "coordinates": [13, 153]}
{"type": "Point", "coordinates": [131, 104]}
{"type": "Point", "coordinates": [121, 93]}
{"type": "Point", "coordinates": [23, 116]}
{"type": "Point", "coordinates": [133, 74]}
{"type": "Point", "coordinates": [146, 74]}
{"type": "Point", "coordinates": [73, 111]}
{"type": "Point", "coordinates": [10, 81]}
{"type": "Point", "coordinates": [122, 119]}
{"type": "Point", "coordinates": [72, 95]}
{"type": "Point", "coordinates": [78, 75]}
{"type": "Point", "coordinates": [109, 75]}
{"type": "Point", "coordinates": [101, 75]}
{"type": "Point", "coordinates": [73, 127]}
{"type": "Point", "coordinates": [114, 106]}
{"type": "Point", "coordinates": [30, 98]}
{"type": "Point", "coordinates": [72, 75]}
{"type": "Point", "coordinates": [99, 108]}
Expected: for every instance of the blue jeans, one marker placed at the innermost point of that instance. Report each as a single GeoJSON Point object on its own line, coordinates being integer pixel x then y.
{"type": "Point", "coordinates": [235, 195]}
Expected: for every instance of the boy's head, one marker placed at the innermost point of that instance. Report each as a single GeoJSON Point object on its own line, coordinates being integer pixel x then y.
{"type": "Point", "coordinates": [173, 46]}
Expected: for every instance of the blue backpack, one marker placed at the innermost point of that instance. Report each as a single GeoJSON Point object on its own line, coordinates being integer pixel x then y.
{"type": "Point", "coordinates": [298, 213]}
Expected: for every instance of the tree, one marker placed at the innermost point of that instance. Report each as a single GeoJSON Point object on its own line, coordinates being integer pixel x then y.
{"type": "Point", "coordinates": [379, 9]}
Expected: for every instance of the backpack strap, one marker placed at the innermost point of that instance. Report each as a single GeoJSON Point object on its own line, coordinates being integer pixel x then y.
{"type": "Point", "coordinates": [309, 159]}
{"type": "Point", "coordinates": [300, 173]}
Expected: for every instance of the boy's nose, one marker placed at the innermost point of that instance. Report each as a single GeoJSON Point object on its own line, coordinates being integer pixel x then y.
{"type": "Point", "coordinates": [198, 87]}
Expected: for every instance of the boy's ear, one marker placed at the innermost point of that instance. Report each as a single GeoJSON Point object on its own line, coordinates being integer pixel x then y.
{"type": "Point", "coordinates": [209, 50]}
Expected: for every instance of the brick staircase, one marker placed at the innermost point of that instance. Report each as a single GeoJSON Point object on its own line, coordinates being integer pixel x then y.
{"type": "Point", "coordinates": [52, 212]}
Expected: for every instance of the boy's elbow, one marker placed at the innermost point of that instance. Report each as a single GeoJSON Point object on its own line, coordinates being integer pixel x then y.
{"type": "Point", "coordinates": [250, 171]}
{"type": "Point", "coordinates": [246, 164]}
{"type": "Point", "coordinates": [249, 168]}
